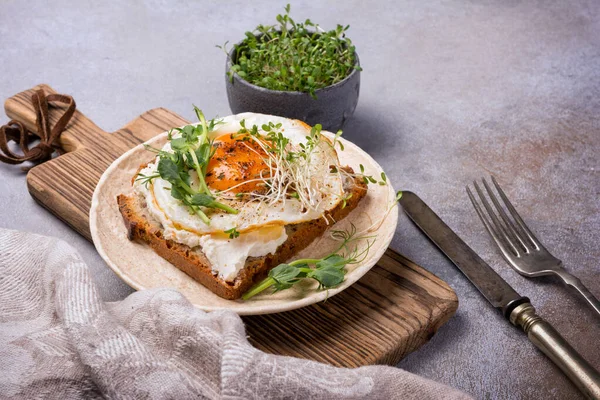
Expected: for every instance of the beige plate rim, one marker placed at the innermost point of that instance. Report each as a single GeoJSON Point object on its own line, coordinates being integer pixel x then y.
{"type": "Point", "coordinates": [251, 308]}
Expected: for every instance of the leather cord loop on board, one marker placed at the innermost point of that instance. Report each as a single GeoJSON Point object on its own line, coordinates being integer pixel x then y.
{"type": "Point", "coordinates": [48, 136]}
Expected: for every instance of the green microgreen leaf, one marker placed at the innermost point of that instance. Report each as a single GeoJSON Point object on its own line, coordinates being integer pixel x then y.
{"type": "Point", "coordinates": [204, 153]}
{"type": "Point", "coordinates": [328, 277]}
{"type": "Point", "coordinates": [333, 260]}
{"type": "Point", "coordinates": [177, 193]}
{"type": "Point", "coordinates": [168, 170]}
{"type": "Point", "coordinates": [179, 144]}
{"type": "Point", "coordinates": [233, 233]}
{"type": "Point", "coordinates": [345, 199]}
{"type": "Point", "coordinates": [201, 199]}
{"type": "Point", "coordinates": [286, 275]}
{"type": "Point", "coordinates": [398, 195]}
{"type": "Point", "coordinates": [205, 200]}
{"type": "Point", "coordinates": [337, 141]}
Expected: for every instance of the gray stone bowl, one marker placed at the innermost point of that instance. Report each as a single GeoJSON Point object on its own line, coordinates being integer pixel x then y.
{"type": "Point", "coordinates": [332, 107]}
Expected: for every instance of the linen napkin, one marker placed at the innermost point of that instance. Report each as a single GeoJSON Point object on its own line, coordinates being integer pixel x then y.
{"type": "Point", "coordinates": [59, 340]}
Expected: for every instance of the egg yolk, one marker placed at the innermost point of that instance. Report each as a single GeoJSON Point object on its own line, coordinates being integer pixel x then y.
{"type": "Point", "coordinates": [237, 160]}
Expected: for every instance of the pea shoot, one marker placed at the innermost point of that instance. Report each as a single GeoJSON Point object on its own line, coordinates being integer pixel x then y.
{"type": "Point", "coordinates": [328, 271]}
{"type": "Point", "coordinates": [192, 151]}
{"type": "Point", "coordinates": [294, 56]}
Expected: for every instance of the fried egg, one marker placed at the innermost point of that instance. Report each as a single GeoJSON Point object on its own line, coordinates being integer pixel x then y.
{"type": "Point", "coordinates": [243, 174]}
{"type": "Point", "coordinates": [236, 167]}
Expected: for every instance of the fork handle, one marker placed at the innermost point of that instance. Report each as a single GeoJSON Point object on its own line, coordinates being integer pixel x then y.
{"type": "Point", "coordinates": [553, 345]}
{"type": "Point", "coordinates": [575, 283]}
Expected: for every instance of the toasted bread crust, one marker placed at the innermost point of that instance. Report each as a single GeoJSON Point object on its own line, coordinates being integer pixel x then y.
{"type": "Point", "coordinates": [141, 228]}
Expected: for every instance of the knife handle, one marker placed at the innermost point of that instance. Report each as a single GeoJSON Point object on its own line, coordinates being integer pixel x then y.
{"type": "Point", "coordinates": [553, 345]}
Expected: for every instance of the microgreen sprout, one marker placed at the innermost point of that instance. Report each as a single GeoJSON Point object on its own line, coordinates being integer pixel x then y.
{"type": "Point", "coordinates": [328, 271]}
{"type": "Point", "coordinates": [233, 233]}
{"type": "Point", "coordinates": [146, 179]}
{"type": "Point", "coordinates": [345, 199]}
{"type": "Point", "coordinates": [398, 195]}
{"type": "Point", "coordinates": [337, 141]}
{"type": "Point", "coordinates": [370, 179]}
{"type": "Point", "coordinates": [293, 56]}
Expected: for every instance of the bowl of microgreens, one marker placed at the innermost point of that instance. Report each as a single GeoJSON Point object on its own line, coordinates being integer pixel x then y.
{"type": "Point", "coordinates": [295, 70]}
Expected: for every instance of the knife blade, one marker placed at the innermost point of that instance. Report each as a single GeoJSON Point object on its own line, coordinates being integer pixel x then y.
{"type": "Point", "coordinates": [516, 308]}
{"type": "Point", "coordinates": [486, 280]}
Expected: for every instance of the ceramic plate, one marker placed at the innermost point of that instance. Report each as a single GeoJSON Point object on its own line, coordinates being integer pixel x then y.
{"type": "Point", "coordinates": [141, 268]}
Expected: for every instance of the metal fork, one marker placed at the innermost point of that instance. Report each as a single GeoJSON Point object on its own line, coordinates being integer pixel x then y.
{"type": "Point", "coordinates": [518, 245]}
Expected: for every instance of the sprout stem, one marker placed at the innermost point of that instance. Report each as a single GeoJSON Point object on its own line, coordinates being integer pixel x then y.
{"type": "Point", "coordinates": [201, 214]}
{"type": "Point", "coordinates": [203, 187]}
{"type": "Point", "coordinates": [265, 284]}
{"type": "Point", "coordinates": [224, 207]}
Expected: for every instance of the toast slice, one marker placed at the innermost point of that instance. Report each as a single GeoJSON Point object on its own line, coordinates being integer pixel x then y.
{"type": "Point", "coordinates": [143, 227]}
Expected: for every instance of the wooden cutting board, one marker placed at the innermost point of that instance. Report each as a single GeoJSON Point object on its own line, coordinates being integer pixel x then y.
{"type": "Point", "coordinates": [394, 309]}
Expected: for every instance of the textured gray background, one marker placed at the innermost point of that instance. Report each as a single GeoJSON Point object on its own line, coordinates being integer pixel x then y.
{"type": "Point", "coordinates": [451, 91]}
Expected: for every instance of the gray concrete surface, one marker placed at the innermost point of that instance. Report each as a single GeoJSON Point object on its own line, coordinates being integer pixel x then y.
{"type": "Point", "coordinates": [451, 91]}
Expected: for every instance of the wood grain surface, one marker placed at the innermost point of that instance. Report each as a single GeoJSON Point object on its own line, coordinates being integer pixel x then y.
{"type": "Point", "coordinates": [390, 312]}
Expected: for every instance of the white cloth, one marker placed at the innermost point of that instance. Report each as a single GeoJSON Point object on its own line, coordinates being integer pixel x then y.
{"type": "Point", "coordinates": [59, 340]}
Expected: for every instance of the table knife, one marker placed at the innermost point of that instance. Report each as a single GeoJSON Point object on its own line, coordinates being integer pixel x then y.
{"type": "Point", "coordinates": [516, 308]}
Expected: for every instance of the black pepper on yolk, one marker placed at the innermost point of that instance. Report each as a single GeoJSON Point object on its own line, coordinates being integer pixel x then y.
{"type": "Point", "coordinates": [237, 160]}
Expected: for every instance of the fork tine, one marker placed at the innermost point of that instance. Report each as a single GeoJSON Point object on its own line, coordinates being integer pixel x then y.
{"type": "Point", "coordinates": [488, 225]}
{"type": "Point", "coordinates": [512, 229]}
{"type": "Point", "coordinates": [498, 225]}
{"type": "Point", "coordinates": [492, 230]}
{"type": "Point", "coordinates": [517, 217]}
